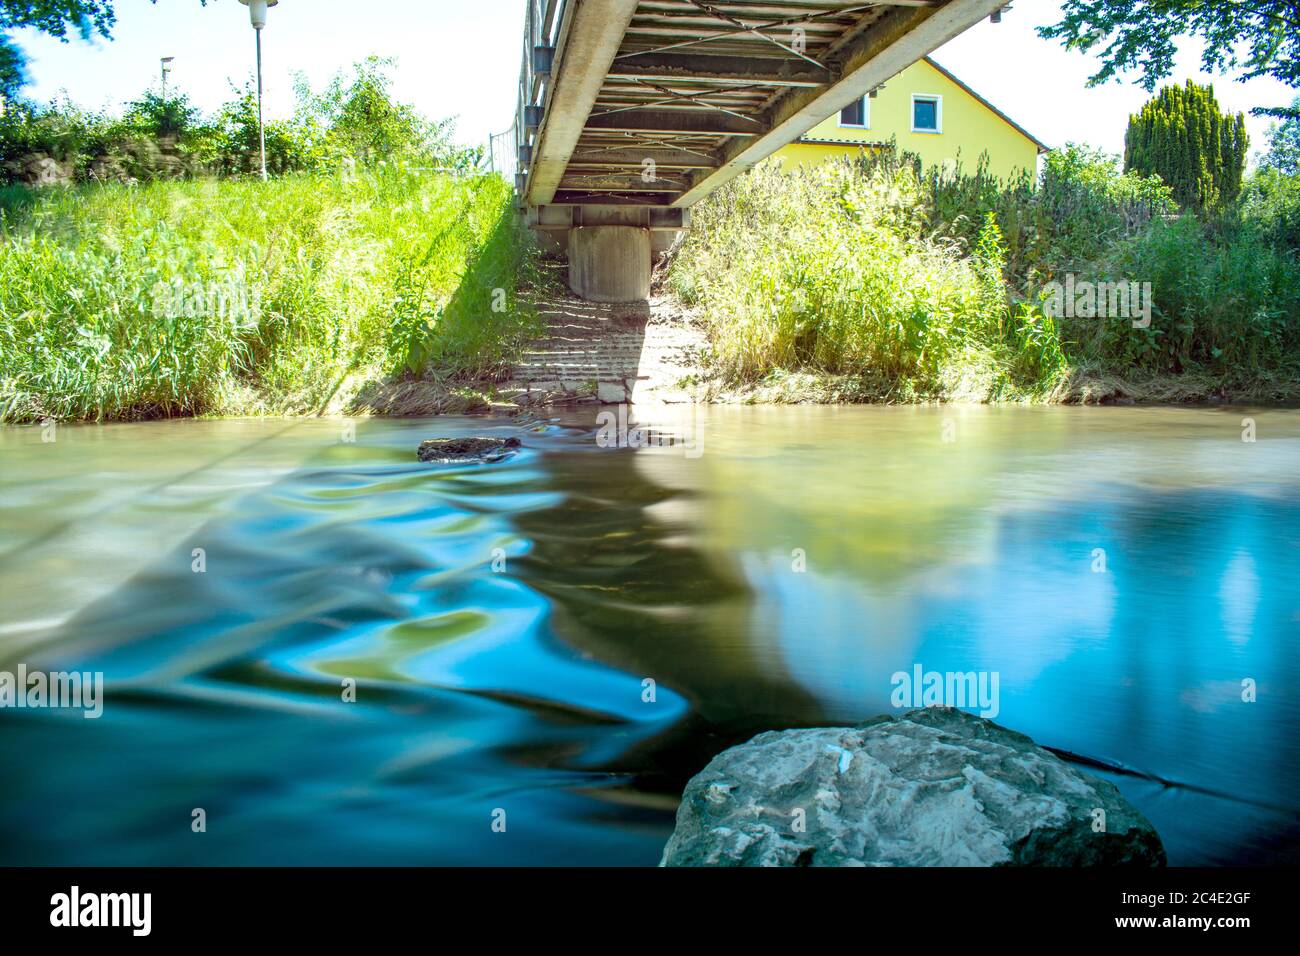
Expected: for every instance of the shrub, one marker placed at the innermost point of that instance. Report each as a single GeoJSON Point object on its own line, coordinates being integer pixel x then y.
{"type": "Point", "coordinates": [291, 146]}
{"type": "Point", "coordinates": [1231, 307]}
{"type": "Point", "coordinates": [1270, 202]}
{"type": "Point", "coordinates": [354, 120]}
{"type": "Point", "coordinates": [1087, 204]}
{"type": "Point", "coordinates": [1081, 206]}
{"type": "Point", "coordinates": [358, 120]}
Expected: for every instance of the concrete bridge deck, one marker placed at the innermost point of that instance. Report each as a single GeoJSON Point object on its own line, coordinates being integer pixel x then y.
{"type": "Point", "coordinates": [631, 111]}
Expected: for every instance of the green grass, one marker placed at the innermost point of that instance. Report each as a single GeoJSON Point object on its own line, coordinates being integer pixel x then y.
{"type": "Point", "coordinates": [877, 283]}
{"type": "Point", "coordinates": [832, 269]}
{"type": "Point", "coordinates": [242, 297]}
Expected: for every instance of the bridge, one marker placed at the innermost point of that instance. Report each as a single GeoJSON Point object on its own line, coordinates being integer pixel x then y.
{"type": "Point", "coordinates": [631, 111]}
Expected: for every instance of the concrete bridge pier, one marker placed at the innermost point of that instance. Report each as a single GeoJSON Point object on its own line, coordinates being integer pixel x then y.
{"type": "Point", "coordinates": [610, 248]}
{"type": "Point", "coordinates": [610, 263]}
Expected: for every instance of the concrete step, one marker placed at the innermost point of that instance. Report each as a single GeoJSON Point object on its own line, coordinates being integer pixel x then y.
{"type": "Point", "coordinates": [628, 352]}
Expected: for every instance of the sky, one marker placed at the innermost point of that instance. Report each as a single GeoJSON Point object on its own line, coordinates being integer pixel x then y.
{"type": "Point", "coordinates": [461, 59]}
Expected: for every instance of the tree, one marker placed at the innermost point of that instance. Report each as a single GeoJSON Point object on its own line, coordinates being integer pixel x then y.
{"type": "Point", "coordinates": [86, 18]}
{"type": "Point", "coordinates": [1180, 136]}
{"type": "Point", "coordinates": [1284, 144]}
{"type": "Point", "coordinates": [55, 17]}
{"type": "Point", "coordinates": [1261, 37]}
{"type": "Point", "coordinates": [363, 122]}
{"type": "Point", "coordinates": [158, 118]}
{"type": "Point", "coordinates": [290, 145]}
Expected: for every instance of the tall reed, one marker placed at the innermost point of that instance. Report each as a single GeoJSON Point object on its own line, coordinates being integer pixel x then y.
{"type": "Point", "coordinates": [237, 296]}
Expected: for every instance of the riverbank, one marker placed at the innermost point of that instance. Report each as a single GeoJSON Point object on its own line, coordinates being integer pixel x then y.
{"type": "Point", "coordinates": [398, 291]}
{"type": "Point", "coordinates": [662, 352]}
{"type": "Point", "coordinates": [869, 281]}
{"type": "Point", "coordinates": [1078, 386]}
{"type": "Point", "coordinates": [377, 289]}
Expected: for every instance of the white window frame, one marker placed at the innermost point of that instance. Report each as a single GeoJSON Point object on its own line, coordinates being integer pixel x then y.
{"type": "Point", "coordinates": [937, 99]}
{"type": "Point", "coordinates": [866, 116]}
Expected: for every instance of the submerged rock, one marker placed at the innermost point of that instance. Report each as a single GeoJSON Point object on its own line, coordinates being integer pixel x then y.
{"type": "Point", "coordinates": [448, 450]}
{"type": "Point", "coordinates": [934, 787]}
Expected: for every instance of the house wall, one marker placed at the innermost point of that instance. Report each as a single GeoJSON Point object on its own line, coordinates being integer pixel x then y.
{"type": "Point", "coordinates": [969, 128]}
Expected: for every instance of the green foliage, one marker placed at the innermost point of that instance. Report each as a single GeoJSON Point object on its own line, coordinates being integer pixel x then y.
{"type": "Point", "coordinates": [1083, 183]}
{"type": "Point", "coordinates": [153, 116]}
{"type": "Point", "coordinates": [924, 285]}
{"type": "Point", "coordinates": [60, 130]}
{"type": "Point", "coordinates": [832, 268]}
{"type": "Point", "coordinates": [1259, 37]}
{"type": "Point", "coordinates": [235, 145]}
{"type": "Point", "coordinates": [353, 121]}
{"type": "Point", "coordinates": [360, 121]}
{"type": "Point", "coordinates": [155, 138]}
{"type": "Point", "coordinates": [1284, 143]}
{"type": "Point", "coordinates": [238, 297]}
{"type": "Point", "coordinates": [1270, 203]}
{"type": "Point", "coordinates": [52, 17]}
{"type": "Point", "coordinates": [1180, 136]}
{"type": "Point", "coordinates": [1225, 306]}
{"type": "Point", "coordinates": [1081, 206]}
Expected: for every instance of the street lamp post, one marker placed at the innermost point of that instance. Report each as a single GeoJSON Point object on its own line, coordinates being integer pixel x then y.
{"type": "Point", "coordinates": [257, 15]}
{"type": "Point", "coordinates": [165, 63]}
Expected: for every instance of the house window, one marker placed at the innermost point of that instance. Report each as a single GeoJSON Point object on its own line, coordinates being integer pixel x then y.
{"type": "Point", "coordinates": [927, 113]}
{"type": "Point", "coordinates": [855, 114]}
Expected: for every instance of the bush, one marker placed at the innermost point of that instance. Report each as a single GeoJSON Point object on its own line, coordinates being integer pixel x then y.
{"type": "Point", "coordinates": [1270, 202]}
{"type": "Point", "coordinates": [1082, 205]}
{"type": "Point", "coordinates": [62, 131]}
{"type": "Point", "coordinates": [291, 146]}
{"type": "Point", "coordinates": [1180, 135]}
{"type": "Point", "coordinates": [1086, 204]}
{"type": "Point", "coordinates": [1229, 307]}
{"type": "Point", "coordinates": [153, 116]}
{"type": "Point", "coordinates": [360, 121]}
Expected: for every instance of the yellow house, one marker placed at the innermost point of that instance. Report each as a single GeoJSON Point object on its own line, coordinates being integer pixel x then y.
{"type": "Point", "coordinates": [927, 111]}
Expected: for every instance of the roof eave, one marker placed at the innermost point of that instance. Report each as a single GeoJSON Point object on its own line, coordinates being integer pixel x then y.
{"type": "Point", "coordinates": [1042, 147]}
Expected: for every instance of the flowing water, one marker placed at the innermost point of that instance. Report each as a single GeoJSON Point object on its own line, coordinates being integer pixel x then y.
{"type": "Point", "coordinates": [1129, 575]}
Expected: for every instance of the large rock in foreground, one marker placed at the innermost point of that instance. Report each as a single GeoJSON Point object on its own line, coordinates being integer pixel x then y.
{"type": "Point", "coordinates": [449, 451]}
{"type": "Point", "coordinates": [934, 787]}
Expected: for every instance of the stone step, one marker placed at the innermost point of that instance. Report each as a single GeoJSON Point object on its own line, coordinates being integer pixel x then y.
{"type": "Point", "coordinates": [616, 347]}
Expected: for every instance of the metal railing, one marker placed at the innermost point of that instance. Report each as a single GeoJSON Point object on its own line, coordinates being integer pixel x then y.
{"type": "Point", "coordinates": [503, 154]}
{"type": "Point", "coordinates": [543, 20]}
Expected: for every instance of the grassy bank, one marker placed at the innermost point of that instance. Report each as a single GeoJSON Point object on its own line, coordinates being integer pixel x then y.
{"type": "Point", "coordinates": [313, 291]}
{"type": "Point", "coordinates": [866, 280]}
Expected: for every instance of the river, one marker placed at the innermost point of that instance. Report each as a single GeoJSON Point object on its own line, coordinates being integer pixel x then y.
{"type": "Point", "coordinates": [340, 655]}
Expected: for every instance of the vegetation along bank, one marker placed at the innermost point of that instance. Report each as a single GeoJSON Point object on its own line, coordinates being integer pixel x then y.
{"type": "Point", "coordinates": [876, 280]}
{"type": "Point", "coordinates": [383, 269]}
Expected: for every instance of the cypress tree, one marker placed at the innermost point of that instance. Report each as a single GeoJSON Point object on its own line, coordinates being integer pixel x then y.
{"type": "Point", "coordinates": [1181, 136]}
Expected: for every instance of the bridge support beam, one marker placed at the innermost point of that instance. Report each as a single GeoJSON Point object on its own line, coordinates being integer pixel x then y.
{"type": "Point", "coordinates": [610, 263]}
{"type": "Point", "coordinates": [589, 45]}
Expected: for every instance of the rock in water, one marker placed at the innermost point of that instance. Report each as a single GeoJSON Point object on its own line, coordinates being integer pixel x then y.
{"type": "Point", "coordinates": [449, 450]}
{"type": "Point", "coordinates": [934, 787]}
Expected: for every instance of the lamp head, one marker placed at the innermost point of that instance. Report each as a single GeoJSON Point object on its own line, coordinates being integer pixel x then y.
{"type": "Point", "coordinates": [257, 11]}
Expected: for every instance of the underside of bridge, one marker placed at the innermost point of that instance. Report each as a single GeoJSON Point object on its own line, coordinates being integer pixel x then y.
{"type": "Point", "coordinates": [631, 111]}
